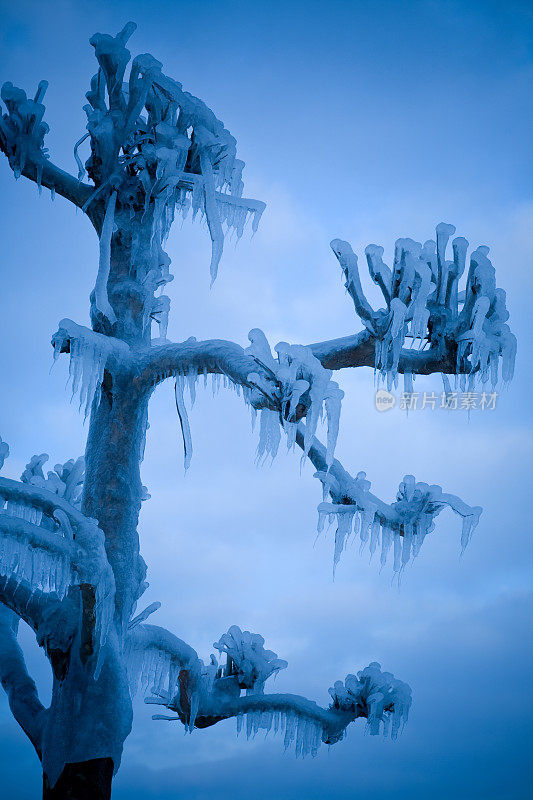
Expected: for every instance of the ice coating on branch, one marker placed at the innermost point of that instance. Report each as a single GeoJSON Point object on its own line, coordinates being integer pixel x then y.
{"type": "Point", "coordinates": [66, 480]}
{"type": "Point", "coordinates": [100, 290]}
{"type": "Point", "coordinates": [47, 543]}
{"type": "Point", "coordinates": [402, 526]}
{"type": "Point", "coordinates": [89, 352]}
{"type": "Point", "coordinates": [22, 130]}
{"type": "Point", "coordinates": [42, 561]}
{"type": "Point", "coordinates": [425, 306]}
{"type": "Point", "coordinates": [384, 699]}
{"type": "Point", "coordinates": [297, 384]}
{"type": "Point", "coordinates": [376, 696]}
{"type": "Point", "coordinates": [161, 150]}
{"type": "Point", "coordinates": [157, 151]}
{"type": "Point", "coordinates": [248, 659]}
{"type": "Point", "coordinates": [161, 664]}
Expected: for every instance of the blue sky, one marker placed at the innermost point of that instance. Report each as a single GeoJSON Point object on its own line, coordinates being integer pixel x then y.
{"type": "Point", "coordinates": [360, 120]}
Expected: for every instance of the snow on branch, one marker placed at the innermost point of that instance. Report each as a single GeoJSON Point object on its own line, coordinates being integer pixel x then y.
{"type": "Point", "coordinates": [462, 331]}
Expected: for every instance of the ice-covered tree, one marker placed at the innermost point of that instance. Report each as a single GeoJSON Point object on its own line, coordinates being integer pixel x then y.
{"type": "Point", "coordinates": [70, 562]}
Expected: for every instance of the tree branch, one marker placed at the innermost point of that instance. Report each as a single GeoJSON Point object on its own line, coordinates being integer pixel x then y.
{"type": "Point", "coordinates": [21, 691]}
{"type": "Point", "coordinates": [378, 696]}
{"type": "Point", "coordinates": [156, 364]}
{"type": "Point", "coordinates": [359, 350]}
{"type": "Point", "coordinates": [49, 554]}
{"type": "Point", "coordinates": [42, 171]}
{"type": "Point", "coordinates": [222, 705]}
{"type": "Point", "coordinates": [22, 133]}
{"type": "Point", "coordinates": [211, 356]}
{"type": "Point", "coordinates": [348, 490]}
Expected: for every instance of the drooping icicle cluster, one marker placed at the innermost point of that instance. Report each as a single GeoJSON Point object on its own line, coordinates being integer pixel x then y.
{"type": "Point", "coordinates": [297, 729]}
{"type": "Point", "coordinates": [41, 558]}
{"type": "Point", "coordinates": [424, 305]}
{"type": "Point", "coordinates": [483, 335]}
{"type": "Point", "coordinates": [379, 696]}
{"type": "Point", "coordinates": [160, 664]}
{"type": "Point", "coordinates": [49, 545]}
{"type": "Point", "coordinates": [89, 352]}
{"type": "Point", "coordinates": [248, 659]}
{"type": "Point", "coordinates": [160, 150]}
{"type": "Point", "coordinates": [152, 669]}
{"type": "Point", "coordinates": [402, 526]}
{"type": "Point", "coordinates": [297, 384]}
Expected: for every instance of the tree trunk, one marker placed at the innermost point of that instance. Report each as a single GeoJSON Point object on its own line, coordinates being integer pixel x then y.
{"type": "Point", "coordinates": [112, 495]}
{"type": "Point", "coordinates": [85, 780]}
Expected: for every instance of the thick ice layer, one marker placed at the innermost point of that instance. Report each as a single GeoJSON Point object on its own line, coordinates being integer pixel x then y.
{"type": "Point", "coordinates": [247, 658]}
{"type": "Point", "coordinates": [44, 568]}
{"type": "Point", "coordinates": [298, 384]}
{"type": "Point", "coordinates": [66, 480]}
{"type": "Point", "coordinates": [173, 153]}
{"type": "Point", "coordinates": [89, 352]}
{"type": "Point", "coordinates": [402, 526]}
{"type": "Point", "coordinates": [100, 290]}
{"type": "Point", "coordinates": [425, 307]}
{"type": "Point", "coordinates": [382, 698]}
{"type": "Point", "coordinates": [22, 129]}
{"type": "Point", "coordinates": [56, 547]}
{"type": "Point", "coordinates": [162, 665]}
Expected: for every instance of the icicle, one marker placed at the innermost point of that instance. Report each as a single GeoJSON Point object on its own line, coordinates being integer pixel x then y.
{"type": "Point", "coordinates": [332, 403]}
{"type": "Point", "coordinates": [81, 168]}
{"type": "Point", "coordinates": [192, 378]}
{"type": "Point", "coordinates": [211, 213]}
{"type": "Point", "coordinates": [43, 569]}
{"type": "Point", "coordinates": [144, 614]}
{"type": "Point", "coordinates": [386, 541]}
{"type": "Point", "coordinates": [184, 421]}
{"type": "Point", "coordinates": [374, 535]}
{"type": "Point", "coordinates": [269, 434]}
{"type": "Point", "coordinates": [344, 528]}
{"type": "Point", "coordinates": [100, 290]}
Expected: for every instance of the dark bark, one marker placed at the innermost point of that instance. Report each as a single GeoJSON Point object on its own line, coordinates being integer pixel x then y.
{"type": "Point", "coordinates": [85, 780]}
